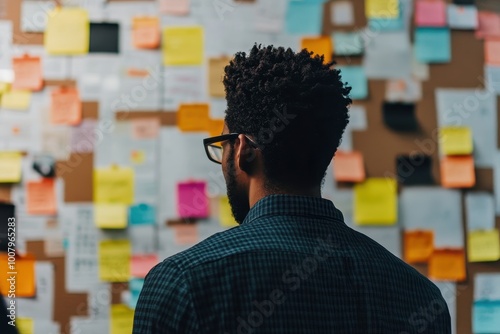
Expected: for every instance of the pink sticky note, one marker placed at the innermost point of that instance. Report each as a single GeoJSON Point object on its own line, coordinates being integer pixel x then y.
{"type": "Point", "coordinates": [488, 25]}
{"type": "Point", "coordinates": [430, 13]}
{"type": "Point", "coordinates": [145, 128]}
{"type": "Point", "coordinates": [140, 265]}
{"type": "Point", "coordinates": [174, 7]}
{"type": "Point", "coordinates": [192, 199]}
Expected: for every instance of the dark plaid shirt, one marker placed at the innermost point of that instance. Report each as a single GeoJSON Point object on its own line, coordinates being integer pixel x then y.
{"type": "Point", "coordinates": [292, 266]}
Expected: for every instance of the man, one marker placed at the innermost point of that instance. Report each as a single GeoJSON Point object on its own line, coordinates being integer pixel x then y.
{"type": "Point", "coordinates": [292, 266]}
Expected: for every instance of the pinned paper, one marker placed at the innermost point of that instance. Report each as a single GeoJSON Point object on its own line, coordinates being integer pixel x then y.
{"type": "Point", "coordinates": [355, 77]}
{"type": "Point", "coordinates": [375, 202]}
{"type": "Point", "coordinates": [225, 214]}
{"type": "Point", "coordinates": [462, 17]}
{"type": "Point", "coordinates": [186, 234]}
{"type": "Point", "coordinates": [114, 185]}
{"type": "Point", "coordinates": [140, 265]}
{"type": "Point", "coordinates": [456, 140]}
{"type": "Point", "coordinates": [433, 45]}
{"type": "Point", "coordinates": [68, 31]}
{"type": "Point", "coordinates": [121, 319]}
{"type": "Point", "coordinates": [458, 171]}
{"type": "Point", "coordinates": [41, 197]}
{"type": "Point", "coordinates": [110, 216]}
{"type": "Point", "coordinates": [146, 32]}
{"type": "Point", "coordinates": [488, 25]}
{"type": "Point", "coordinates": [215, 75]}
{"type": "Point", "coordinates": [382, 8]}
{"type": "Point", "coordinates": [321, 46]}
{"type": "Point", "coordinates": [480, 211]}
{"type": "Point", "coordinates": [142, 214]}
{"type": "Point", "coordinates": [25, 325]}
{"type": "Point", "coordinates": [174, 7]}
{"type": "Point", "coordinates": [418, 245]}
{"type": "Point", "coordinates": [492, 51]}
{"type": "Point", "coordinates": [342, 13]}
{"type": "Point", "coordinates": [304, 17]}
{"type": "Point", "coordinates": [114, 260]}
{"type": "Point", "coordinates": [347, 43]}
{"type": "Point", "coordinates": [135, 286]}
{"type": "Point", "coordinates": [403, 90]}
{"type": "Point", "coordinates": [145, 128]}
{"type": "Point", "coordinates": [16, 100]}
{"type": "Point", "coordinates": [484, 246]}
{"type": "Point", "coordinates": [10, 167]}
{"type": "Point", "coordinates": [215, 127]}
{"type": "Point", "coordinates": [182, 46]}
{"type": "Point", "coordinates": [430, 13]}
{"type": "Point", "coordinates": [192, 200]}
{"type": "Point", "coordinates": [193, 117]}
{"type": "Point", "coordinates": [447, 265]}
{"type": "Point", "coordinates": [24, 273]}
{"type": "Point", "coordinates": [349, 167]}
{"type": "Point", "coordinates": [66, 106]}
{"type": "Point", "coordinates": [27, 73]}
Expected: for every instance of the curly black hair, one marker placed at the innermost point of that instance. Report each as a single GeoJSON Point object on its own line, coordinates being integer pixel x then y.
{"type": "Point", "coordinates": [294, 105]}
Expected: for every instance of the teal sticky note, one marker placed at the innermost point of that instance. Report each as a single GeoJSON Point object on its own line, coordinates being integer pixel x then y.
{"type": "Point", "coordinates": [389, 24]}
{"type": "Point", "coordinates": [135, 286]}
{"type": "Point", "coordinates": [142, 214]}
{"type": "Point", "coordinates": [355, 77]}
{"type": "Point", "coordinates": [486, 317]}
{"type": "Point", "coordinates": [347, 43]}
{"type": "Point", "coordinates": [433, 45]}
{"type": "Point", "coordinates": [304, 17]}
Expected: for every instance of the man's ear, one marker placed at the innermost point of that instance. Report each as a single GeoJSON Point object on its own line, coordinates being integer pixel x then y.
{"type": "Point", "coordinates": [245, 155]}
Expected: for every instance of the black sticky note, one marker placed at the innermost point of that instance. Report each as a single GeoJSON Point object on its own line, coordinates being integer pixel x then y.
{"type": "Point", "coordinates": [104, 37]}
{"type": "Point", "coordinates": [7, 215]}
{"type": "Point", "coordinates": [414, 169]}
{"type": "Point", "coordinates": [464, 2]}
{"type": "Point", "coordinates": [400, 116]}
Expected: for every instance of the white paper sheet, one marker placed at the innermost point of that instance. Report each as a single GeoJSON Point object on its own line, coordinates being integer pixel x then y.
{"type": "Point", "coordinates": [42, 305]}
{"type": "Point", "coordinates": [480, 211]}
{"type": "Point", "coordinates": [83, 325]}
{"type": "Point", "coordinates": [487, 286]}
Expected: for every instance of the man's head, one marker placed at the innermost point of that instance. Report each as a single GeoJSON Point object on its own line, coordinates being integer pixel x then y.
{"type": "Point", "coordinates": [290, 110]}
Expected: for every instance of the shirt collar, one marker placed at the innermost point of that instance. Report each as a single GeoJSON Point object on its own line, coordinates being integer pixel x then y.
{"type": "Point", "coordinates": [293, 205]}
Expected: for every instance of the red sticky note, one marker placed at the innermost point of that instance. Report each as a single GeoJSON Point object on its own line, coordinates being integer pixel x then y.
{"type": "Point", "coordinates": [192, 199]}
{"type": "Point", "coordinates": [492, 51]}
{"type": "Point", "coordinates": [349, 166]}
{"type": "Point", "coordinates": [140, 265]}
{"type": "Point", "coordinates": [27, 73]}
{"type": "Point", "coordinates": [447, 265]}
{"type": "Point", "coordinates": [41, 197]}
{"type": "Point", "coordinates": [458, 171]}
{"type": "Point", "coordinates": [146, 32]}
{"type": "Point", "coordinates": [66, 107]}
{"type": "Point", "coordinates": [488, 25]}
{"type": "Point", "coordinates": [430, 13]}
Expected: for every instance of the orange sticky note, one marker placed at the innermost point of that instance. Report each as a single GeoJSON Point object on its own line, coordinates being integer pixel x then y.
{"type": "Point", "coordinates": [418, 246]}
{"type": "Point", "coordinates": [27, 73]}
{"type": "Point", "coordinates": [145, 128]}
{"type": "Point", "coordinates": [23, 272]}
{"type": "Point", "coordinates": [215, 75]}
{"type": "Point", "coordinates": [319, 46]}
{"type": "Point", "coordinates": [186, 234]}
{"type": "Point", "coordinates": [349, 167]}
{"type": "Point", "coordinates": [447, 265]}
{"type": "Point", "coordinates": [215, 127]}
{"type": "Point", "coordinates": [140, 265]}
{"type": "Point", "coordinates": [41, 197]}
{"type": "Point", "coordinates": [146, 32]}
{"type": "Point", "coordinates": [66, 106]}
{"type": "Point", "coordinates": [458, 171]}
{"type": "Point", "coordinates": [492, 51]}
{"type": "Point", "coordinates": [193, 117]}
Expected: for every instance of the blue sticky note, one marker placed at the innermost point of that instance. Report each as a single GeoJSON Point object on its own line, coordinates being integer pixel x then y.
{"type": "Point", "coordinates": [135, 286]}
{"type": "Point", "coordinates": [389, 24]}
{"type": "Point", "coordinates": [433, 45]}
{"type": "Point", "coordinates": [486, 317]}
{"type": "Point", "coordinates": [142, 214]}
{"type": "Point", "coordinates": [355, 77]}
{"type": "Point", "coordinates": [304, 17]}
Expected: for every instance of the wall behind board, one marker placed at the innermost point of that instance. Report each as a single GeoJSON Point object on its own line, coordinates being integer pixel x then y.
{"type": "Point", "coordinates": [116, 97]}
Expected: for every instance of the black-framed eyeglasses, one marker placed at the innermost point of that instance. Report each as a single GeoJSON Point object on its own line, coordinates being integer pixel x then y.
{"type": "Point", "coordinates": [214, 145]}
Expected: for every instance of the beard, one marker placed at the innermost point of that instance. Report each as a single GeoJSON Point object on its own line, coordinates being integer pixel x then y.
{"type": "Point", "coordinates": [238, 198]}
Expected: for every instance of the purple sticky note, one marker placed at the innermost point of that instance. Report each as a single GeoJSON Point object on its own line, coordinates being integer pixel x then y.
{"type": "Point", "coordinates": [192, 201]}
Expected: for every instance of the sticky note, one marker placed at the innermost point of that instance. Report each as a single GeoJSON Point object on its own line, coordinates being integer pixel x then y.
{"type": "Point", "coordinates": [66, 106]}
{"type": "Point", "coordinates": [455, 140]}
{"type": "Point", "coordinates": [145, 128]}
{"type": "Point", "coordinates": [192, 201]}
{"type": "Point", "coordinates": [355, 77]}
{"type": "Point", "coordinates": [349, 166]}
{"type": "Point", "coordinates": [321, 46]}
{"type": "Point", "coordinates": [142, 214]}
{"type": "Point", "coordinates": [68, 31]}
{"type": "Point", "coordinates": [414, 169]}
{"type": "Point", "coordinates": [175, 7]}
{"type": "Point", "coordinates": [447, 265]}
{"type": "Point", "coordinates": [114, 185]}
{"type": "Point", "coordinates": [382, 8]}
{"type": "Point", "coordinates": [342, 13]}
{"type": "Point", "coordinates": [186, 234]}
{"type": "Point", "coordinates": [41, 197]}
{"type": "Point", "coordinates": [27, 73]}
{"type": "Point", "coordinates": [400, 116]}
{"type": "Point", "coordinates": [215, 75]}
{"type": "Point", "coordinates": [193, 117]}
{"type": "Point", "coordinates": [430, 13]}
{"type": "Point", "coordinates": [458, 171]}
{"type": "Point", "coordinates": [182, 46]}
{"type": "Point", "coordinates": [393, 23]}
{"type": "Point", "coordinates": [141, 264]}
{"type": "Point", "coordinates": [347, 43]}
{"type": "Point", "coordinates": [215, 127]}
{"type": "Point", "coordinates": [375, 202]}
{"type": "Point", "coordinates": [135, 286]}
{"type": "Point", "coordinates": [10, 167]}
{"type": "Point", "coordinates": [16, 100]}
{"type": "Point", "coordinates": [492, 51]}
{"type": "Point", "coordinates": [483, 246]}
{"type": "Point", "coordinates": [121, 319]}
{"type": "Point", "coordinates": [4, 87]}
{"type": "Point", "coordinates": [480, 210]}
{"type": "Point", "coordinates": [146, 32]}
{"type": "Point", "coordinates": [225, 214]}
{"type": "Point", "coordinates": [486, 317]}
{"type": "Point", "coordinates": [462, 17]}
{"type": "Point", "coordinates": [25, 325]}
{"type": "Point", "coordinates": [433, 45]}
{"type": "Point", "coordinates": [110, 216]}
{"type": "Point", "coordinates": [104, 37]}
{"type": "Point", "coordinates": [487, 286]}
{"type": "Point", "coordinates": [114, 260]}
{"type": "Point", "coordinates": [304, 17]}
{"type": "Point", "coordinates": [488, 25]}
{"type": "Point", "coordinates": [24, 272]}
{"type": "Point", "coordinates": [418, 245]}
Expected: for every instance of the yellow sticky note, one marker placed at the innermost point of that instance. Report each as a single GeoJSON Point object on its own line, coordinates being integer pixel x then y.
{"type": "Point", "coordinates": [4, 87]}
{"type": "Point", "coordinates": [25, 325]}
{"type": "Point", "coordinates": [456, 140]}
{"type": "Point", "coordinates": [114, 260]}
{"type": "Point", "coordinates": [10, 167]}
{"type": "Point", "coordinates": [388, 9]}
{"type": "Point", "coordinates": [16, 100]}
{"type": "Point", "coordinates": [225, 213]}
{"type": "Point", "coordinates": [193, 117]}
{"type": "Point", "coordinates": [182, 46]}
{"type": "Point", "coordinates": [110, 215]}
{"type": "Point", "coordinates": [484, 246]}
{"type": "Point", "coordinates": [375, 202]}
{"type": "Point", "coordinates": [114, 185]}
{"type": "Point", "coordinates": [67, 32]}
{"type": "Point", "coordinates": [122, 319]}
